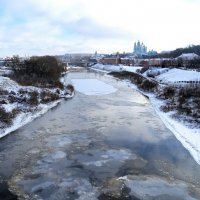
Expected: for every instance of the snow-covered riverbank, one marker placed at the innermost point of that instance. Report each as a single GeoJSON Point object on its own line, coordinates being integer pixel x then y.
{"type": "Point", "coordinates": [25, 117]}
{"type": "Point", "coordinates": [188, 136]}
{"type": "Point", "coordinates": [20, 105]}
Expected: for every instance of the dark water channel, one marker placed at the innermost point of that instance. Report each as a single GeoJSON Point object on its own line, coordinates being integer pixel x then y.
{"type": "Point", "coordinates": [103, 147]}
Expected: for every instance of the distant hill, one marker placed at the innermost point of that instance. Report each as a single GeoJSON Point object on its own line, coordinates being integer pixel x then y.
{"type": "Point", "coordinates": [175, 53]}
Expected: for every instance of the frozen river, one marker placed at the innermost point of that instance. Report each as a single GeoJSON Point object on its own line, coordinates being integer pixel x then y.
{"type": "Point", "coordinates": [105, 144]}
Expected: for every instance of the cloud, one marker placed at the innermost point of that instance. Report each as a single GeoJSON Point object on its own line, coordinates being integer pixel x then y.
{"type": "Point", "coordinates": [88, 28]}
{"type": "Point", "coordinates": [54, 27]}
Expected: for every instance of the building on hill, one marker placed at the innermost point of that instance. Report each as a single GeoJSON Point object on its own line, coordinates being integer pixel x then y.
{"type": "Point", "coordinates": [152, 53]}
{"type": "Point", "coordinates": [139, 49]}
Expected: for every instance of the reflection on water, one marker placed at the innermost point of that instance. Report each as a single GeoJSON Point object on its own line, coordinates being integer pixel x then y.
{"type": "Point", "coordinates": [99, 147]}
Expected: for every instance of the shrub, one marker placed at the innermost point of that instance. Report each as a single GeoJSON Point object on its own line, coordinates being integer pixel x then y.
{"type": "Point", "coordinates": [13, 99]}
{"type": "Point", "coordinates": [33, 99]}
{"type": "Point", "coordinates": [167, 92]}
{"type": "Point", "coordinates": [44, 66]}
{"type": "Point", "coordinates": [7, 117]}
{"type": "Point", "coordinates": [148, 85]}
{"type": "Point", "coordinates": [138, 70]}
{"type": "Point", "coordinates": [150, 75]}
{"type": "Point", "coordinates": [43, 71]}
{"type": "Point", "coordinates": [4, 116]}
{"type": "Point", "coordinates": [58, 84]}
{"type": "Point", "coordinates": [47, 96]}
{"type": "Point", "coordinates": [70, 88]}
{"type": "Point", "coordinates": [144, 69]}
{"type": "Point", "coordinates": [185, 101]}
{"type": "Point", "coordinates": [166, 108]}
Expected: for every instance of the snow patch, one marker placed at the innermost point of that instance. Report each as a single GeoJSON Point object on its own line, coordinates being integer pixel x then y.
{"type": "Point", "coordinates": [8, 84]}
{"type": "Point", "coordinates": [115, 68]}
{"type": "Point", "coordinates": [175, 75]}
{"type": "Point", "coordinates": [9, 107]}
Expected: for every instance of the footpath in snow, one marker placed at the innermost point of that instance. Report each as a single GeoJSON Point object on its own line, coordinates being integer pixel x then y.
{"type": "Point", "coordinates": [189, 137]}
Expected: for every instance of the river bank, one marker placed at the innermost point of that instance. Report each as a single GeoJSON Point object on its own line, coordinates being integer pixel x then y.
{"type": "Point", "coordinates": [186, 132]}
{"type": "Point", "coordinates": [189, 137]}
{"type": "Point", "coordinates": [20, 105]}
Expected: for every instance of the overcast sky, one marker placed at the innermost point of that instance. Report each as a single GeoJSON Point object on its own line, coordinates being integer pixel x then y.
{"type": "Point", "coordinates": [38, 27]}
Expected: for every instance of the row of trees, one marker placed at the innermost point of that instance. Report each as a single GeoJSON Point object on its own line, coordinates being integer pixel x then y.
{"type": "Point", "coordinates": [177, 52]}
{"type": "Point", "coordinates": [43, 66]}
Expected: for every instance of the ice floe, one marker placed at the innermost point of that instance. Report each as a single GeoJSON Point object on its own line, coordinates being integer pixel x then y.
{"type": "Point", "coordinates": [93, 87]}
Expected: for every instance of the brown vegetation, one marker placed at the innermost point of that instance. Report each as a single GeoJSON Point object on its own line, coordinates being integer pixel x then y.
{"type": "Point", "coordinates": [70, 88]}
{"type": "Point", "coordinates": [142, 82]}
{"type": "Point", "coordinates": [7, 117]}
{"type": "Point", "coordinates": [184, 100]}
{"type": "Point", "coordinates": [43, 71]}
{"type": "Point", "coordinates": [47, 97]}
{"type": "Point", "coordinates": [33, 98]}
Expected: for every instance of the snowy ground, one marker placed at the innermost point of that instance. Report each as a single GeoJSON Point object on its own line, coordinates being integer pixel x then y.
{"type": "Point", "coordinates": [177, 75]}
{"type": "Point", "coordinates": [12, 98]}
{"type": "Point", "coordinates": [163, 75]}
{"type": "Point", "coordinates": [92, 87]}
{"type": "Point", "coordinates": [26, 117]}
{"type": "Point", "coordinates": [189, 137]}
{"type": "Point", "coordinates": [115, 68]}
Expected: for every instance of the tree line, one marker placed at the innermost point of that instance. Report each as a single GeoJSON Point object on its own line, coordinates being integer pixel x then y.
{"type": "Point", "coordinates": [177, 52]}
{"type": "Point", "coordinates": [37, 70]}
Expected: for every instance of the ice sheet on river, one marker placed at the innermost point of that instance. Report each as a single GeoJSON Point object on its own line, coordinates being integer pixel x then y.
{"type": "Point", "coordinates": [93, 87]}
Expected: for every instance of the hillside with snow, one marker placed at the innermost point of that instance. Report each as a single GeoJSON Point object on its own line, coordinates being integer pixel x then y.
{"type": "Point", "coordinates": [162, 75]}
{"type": "Point", "coordinates": [173, 76]}
{"type": "Point", "coordinates": [188, 56]}
{"type": "Point", "coordinates": [178, 75]}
